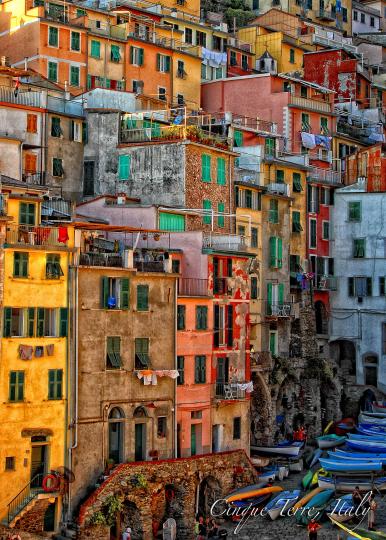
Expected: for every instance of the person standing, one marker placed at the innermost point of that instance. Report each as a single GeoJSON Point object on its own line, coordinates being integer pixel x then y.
{"type": "Point", "coordinates": [313, 528]}
{"type": "Point", "coordinates": [371, 515]}
{"type": "Point", "coordinates": [127, 534]}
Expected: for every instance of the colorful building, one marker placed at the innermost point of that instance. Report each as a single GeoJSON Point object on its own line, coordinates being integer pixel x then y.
{"type": "Point", "coordinates": [35, 355]}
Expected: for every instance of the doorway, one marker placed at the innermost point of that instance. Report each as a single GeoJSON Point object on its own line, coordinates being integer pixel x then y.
{"type": "Point", "coordinates": [195, 439]}
{"type": "Point", "coordinates": [39, 464]}
{"type": "Point", "coordinates": [140, 442]}
{"type": "Point", "coordinates": [217, 433]}
{"type": "Point", "coordinates": [49, 518]}
{"type": "Point", "coordinates": [116, 427]}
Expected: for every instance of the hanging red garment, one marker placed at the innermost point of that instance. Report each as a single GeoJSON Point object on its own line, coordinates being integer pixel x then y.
{"type": "Point", "coordinates": [63, 235]}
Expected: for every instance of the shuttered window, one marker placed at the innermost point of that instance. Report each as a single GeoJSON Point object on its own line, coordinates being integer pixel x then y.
{"type": "Point", "coordinates": [296, 182]}
{"type": "Point", "coordinates": [237, 428]}
{"type": "Point", "coordinates": [115, 54]}
{"type": "Point", "coordinates": [30, 163]}
{"type": "Point", "coordinates": [52, 71]}
{"type": "Point", "coordinates": [95, 49]}
{"type": "Point", "coordinates": [74, 76]}
{"type": "Point", "coordinates": [124, 167]}
{"type": "Point", "coordinates": [55, 384]}
{"type": "Point", "coordinates": [205, 168]}
{"type": "Point", "coordinates": [163, 63]}
{"type": "Point", "coordinates": [275, 252]}
{"type": "Point", "coordinates": [280, 176]}
{"type": "Point", "coordinates": [20, 264]}
{"type": "Point", "coordinates": [221, 175]}
{"type": "Point", "coordinates": [53, 36]}
{"type": "Point", "coordinates": [53, 268]}
{"type": "Point", "coordinates": [27, 213]}
{"type": "Point", "coordinates": [221, 218]}
{"type": "Point", "coordinates": [201, 317]}
{"type": "Point", "coordinates": [32, 123]}
{"type": "Point", "coordinates": [136, 56]}
{"type": "Point", "coordinates": [313, 233]}
{"type": "Point", "coordinates": [354, 211]}
{"type": "Point", "coordinates": [75, 41]}
{"type": "Point", "coordinates": [254, 237]}
{"type": "Point", "coordinates": [16, 386]}
{"type": "Point", "coordinates": [142, 297]}
{"type": "Point", "coordinates": [113, 352]}
{"type": "Point", "coordinates": [296, 225]}
{"type": "Point", "coordinates": [359, 248]}
{"type": "Point", "coordinates": [238, 138]}
{"type": "Point", "coordinates": [207, 217]}
{"type": "Point", "coordinates": [200, 369]}
{"type": "Point", "coordinates": [181, 369]}
{"type": "Point", "coordinates": [360, 286]}
{"type": "Point", "coordinates": [269, 147]}
{"type": "Point", "coordinates": [254, 288]}
{"type": "Point", "coordinates": [171, 222]}
{"type": "Point", "coordinates": [63, 322]}
{"type": "Point", "coordinates": [273, 216]}
{"type": "Point", "coordinates": [115, 293]}
{"type": "Point", "coordinates": [181, 313]}
{"type": "Point", "coordinates": [142, 359]}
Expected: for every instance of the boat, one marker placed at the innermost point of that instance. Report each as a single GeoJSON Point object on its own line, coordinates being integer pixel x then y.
{"type": "Point", "coordinates": [307, 479]}
{"type": "Point", "coordinates": [252, 487]}
{"type": "Point", "coordinates": [376, 428]}
{"type": "Point", "coordinates": [267, 476]}
{"type": "Point", "coordinates": [366, 419]}
{"type": "Point", "coordinates": [285, 448]}
{"type": "Point", "coordinates": [259, 461]}
{"type": "Point", "coordinates": [344, 426]}
{"type": "Point", "coordinates": [375, 414]}
{"type": "Point", "coordinates": [285, 500]}
{"type": "Point", "coordinates": [367, 446]}
{"type": "Point", "coordinates": [373, 535]}
{"type": "Point", "coordinates": [318, 503]}
{"type": "Point", "coordinates": [319, 472]}
{"type": "Point", "coordinates": [251, 493]}
{"type": "Point", "coordinates": [371, 431]}
{"type": "Point", "coordinates": [356, 456]}
{"type": "Point", "coordinates": [318, 452]}
{"type": "Point", "coordinates": [341, 509]}
{"type": "Point", "coordinates": [372, 437]}
{"type": "Point", "coordinates": [353, 534]}
{"type": "Point", "coordinates": [296, 466]}
{"type": "Point", "coordinates": [252, 502]}
{"type": "Point", "coordinates": [329, 441]}
{"type": "Point", "coordinates": [340, 465]}
{"type": "Point", "coordinates": [349, 484]}
{"type": "Point", "coordinates": [377, 407]}
{"type": "Point", "coordinates": [304, 500]}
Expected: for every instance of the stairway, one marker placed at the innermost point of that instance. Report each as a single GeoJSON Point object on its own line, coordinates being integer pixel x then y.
{"type": "Point", "coordinates": [24, 501]}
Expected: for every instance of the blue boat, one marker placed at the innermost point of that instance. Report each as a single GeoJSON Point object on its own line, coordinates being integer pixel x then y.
{"type": "Point", "coordinates": [375, 447]}
{"type": "Point", "coordinates": [340, 465]}
{"type": "Point", "coordinates": [373, 427]}
{"type": "Point", "coordinates": [361, 437]}
{"type": "Point", "coordinates": [318, 452]}
{"type": "Point", "coordinates": [370, 432]}
{"type": "Point", "coordinates": [341, 509]}
{"type": "Point", "coordinates": [356, 456]}
{"type": "Point", "coordinates": [285, 499]}
{"type": "Point", "coordinates": [318, 503]}
{"type": "Point", "coordinates": [329, 441]}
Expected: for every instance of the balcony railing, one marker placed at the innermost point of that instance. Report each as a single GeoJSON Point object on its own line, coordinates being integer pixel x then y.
{"type": "Point", "coordinates": [249, 177]}
{"type": "Point", "coordinates": [152, 266]}
{"type": "Point", "coordinates": [326, 283]}
{"type": "Point", "coordinates": [336, 42]}
{"type": "Point", "coordinates": [66, 106]}
{"type": "Point", "coordinates": [36, 235]}
{"type": "Point", "coordinates": [228, 242]}
{"type": "Point", "coordinates": [279, 189]}
{"type": "Point", "coordinates": [325, 15]}
{"type": "Point", "coordinates": [101, 259]}
{"type": "Point", "coordinates": [279, 310]}
{"type": "Point", "coordinates": [313, 207]}
{"type": "Point", "coordinates": [326, 176]}
{"type": "Point", "coordinates": [163, 41]}
{"type": "Point", "coordinates": [312, 104]}
{"type": "Point", "coordinates": [37, 179]}
{"type": "Point", "coordinates": [106, 29]}
{"type": "Point", "coordinates": [193, 287]}
{"type": "Point", "coordinates": [221, 285]}
{"type": "Point", "coordinates": [224, 390]}
{"type": "Point", "coordinates": [23, 97]}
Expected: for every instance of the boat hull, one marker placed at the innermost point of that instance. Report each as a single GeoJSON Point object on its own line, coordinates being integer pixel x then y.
{"type": "Point", "coordinates": [367, 446]}
{"type": "Point", "coordinates": [238, 496]}
{"type": "Point", "coordinates": [286, 500]}
{"type": "Point", "coordinates": [327, 441]}
{"type": "Point", "coordinates": [348, 485]}
{"type": "Point", "coordinates": [291, 450]}
{"type": "Point", "coordinates": [350, 466]}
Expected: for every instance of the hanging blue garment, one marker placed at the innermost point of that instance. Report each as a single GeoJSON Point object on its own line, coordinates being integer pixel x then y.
{"type": "Point", "coordinates": [322, 140]}
{"type": "Point", "coordinates": [111, 302]}
{"type": "Point", "coordinates": [178, 119]}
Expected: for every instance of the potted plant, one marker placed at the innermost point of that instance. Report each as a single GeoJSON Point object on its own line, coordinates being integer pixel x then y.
{"type": "Point", "coordinates": [109, 465]}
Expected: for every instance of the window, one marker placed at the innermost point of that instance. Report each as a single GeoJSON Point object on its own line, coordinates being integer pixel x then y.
{"type": "Point", "coordinates": [359, 286]}
{"type": "Point", "coordinates": [88, 178]}
{"type": "Point", "coordinates": [32, 123]}
{"type": "Point", "coordinates": [95, 49]}
{"type": "Point", "coordinates": [273, 343]}
{"type": "Point", "coordinates": [326, 230]}
{"type": "Point", "coordinates": [115, 54]}
{"type": "Point", "coordinates": [16, 386]}
{"type": "Point", "coordinates": [280, 176]}
{"type": "Point", "coordinates": [20, 264]}
{"type": "Point", "coordinates": [207, 216]}
{"type": "Point", "coordinates": [313, 233]}
{"type": "Point", "coordinates": [303, 92]}
{"type": "Point", "coordinates": [196, 415]}
{"type": "Point", "coordinates": [53, 36]}
{"type": "Point", "coordinates": [53, 268]}
{"type": "Point", "coordinates": [142, 359]}
{"type": "Point", "coordinates": [181, 69]}
{"type": "Point", "coordinates": [161, 427]}
{"type": "Point", "coordinates": [201, 317]}
{"type": "Point", "coordinates": [359, 248]}
{"type": "Point", "coordinates": [55, 383]}
{"type": "Point", "coordinates": [244, 62]}
{"type": "Point", "coordinates": [113, 352]}
{"type": "Point", "coordinates": [13, 322]}
{"type": "Point", "coordinates": [75, 41]}
{"type": "Point", "coordinates": [325, 196]}
{"type": "Point", "coordinates": [52, 74]}
{"type": "Point", "coordinates": [181, 313]}
{"type": "Point", "coordinates": [201, 38]}
{"type": "Point", "coordinates": [344, 14]}
{"type": "Point", "coordinates": [232, 58]}
{"type": "Point", "coordinates": [275, 252]}
{"type": "Point", "coordinates": [57, 167]}
{"type": "Point", "coordinates": [324, 125]}
{"type": "Point", "coordinates": [382, 286]}
{"type": "Point", "coordinates": [181, 368]}
{"type": "Point", "coordinates": [221, 218]}
{"type": "Point", "coordinates": [205, 168]}
{"type": "Point", "coordinates": [115, 293]}
{"type": "Point", "coordinates": [56, 130]}
{"type": "Point", "coordinates": [27, 213]}
{"type": "Point", "coordinates": [296, 182]}
{"type": "Point", "coordinates": [238, 138]}
{"type": "Point", "coordinates": [9, 463]}
{"type": "Point", "coordinates": [221, 174]}
{"type": "Point", "coordinates": [46, 322]}
{"type": "Point", "coordinates": [254, 237]}
{"type": "Point", "coordinates": [80, 12]}
{"type": "Point", "coordinates": [188, 35]}
{"type": "Point", "coordinates": [200, 369]}
{"type": "Point", "coordinates": [162, 93]}
{"type": "Point", "coordinates": [74, 75]}
{"type": "Point", "coordinates": [292, 56]}
{"type": "Point", "coordinates": [306, 122]}
{"type": "Point", "coordinates": [296, 225]}
{"type": "Point", "coordinates": [363, 18]}
{"type": "Point", "coordinates": [269, 147]}
{"type": "Point", "coordinates": [180, 99]}
{"type": "Point", "coordinates": [142, 297]}
{"type": "Point", "coordinates": [355, 15]}
{"type": "Point", "coordinates": [354, 211]}
{"type": "Point", "coordinates": [124, 167]}
{"type": "Point", "coordinates": [176, 266]}
{"type": "Point", "coordinates": [273, 216]}
{"type": "Point", "coordinates": [383, 338]}
{"type": "Point", "coordinates": [163, 63]}
{"type": "Point", "coordinates": [75, 131]}
{"type": "Point", "coordinates": [237, 428]}
{"type": "Point", "coordinates": [313, 199]}
{"type": "Point", "coordinates": [372, 21]}
{"type": "Point", "coordinates": [136, 56]}
{"type": "Point", "coordinates": [241, 230]}
{"type": "Point", "coordinates": [254, 288]}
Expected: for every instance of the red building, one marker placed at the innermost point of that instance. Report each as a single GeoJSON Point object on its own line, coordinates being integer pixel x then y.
{"type": "Point", "coordinates": [239, 58]}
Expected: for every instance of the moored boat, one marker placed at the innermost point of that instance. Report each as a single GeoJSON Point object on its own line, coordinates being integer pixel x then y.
{"type": "Point", "coordinates": [379, 407]}
{"type": "Point", "coordinates": [329, 441]}
{"type": "Point", "coordinates": [244, 493]}
{"type": "Point", "coordinates": [341, 509]}
{"type": "Point", "coordinates": [356, 456]}
{"type": "Point", "coordinates": [332, 465]}
{"type": "Point", "coordinates": [283, 449]}
{"type": "Point", "coordinates": [369, 437]}
{"type": "Point", "coordinates": [349, 484]}
{"type": "Point", "coordinates": [284, 501]}
{"type": "Point", "coordinates": [353, 534]}
{"type": "Point", "coordinates": [367, 446]}
{"type": "Point", "coordinates": [307, 479]}
{"type": "Point", "coordinates": [372, 535]}
{"type": "Point", "coordinates": [366, 419]}
{"type": "Point", "coordinates": [318, 452]}
{"type": "Point", "coordinates": [318, 503]}
{"type": "Point", "coordinates": [375, 414]}
{"type": "Point", "coordinates": [304, 500]}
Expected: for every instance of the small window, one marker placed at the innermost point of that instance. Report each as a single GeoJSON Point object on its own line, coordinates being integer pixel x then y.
{"type": "Point", "coordinates": [355, 15]}
{"type": "Point", "coordinates": [162, 93]}
{"type": "Point", "coordinates": [196, 415]}
{"type": "Point", "coordinates": [324, 125]}
{"type": "Point", "coordinates": [113, 352]}
{"type": "Point", "coordinates": [201, 38]}
{"type": "Point", "coordinates": [254, 288]}
{"type": "Point", "coordinates": [269, 147]}
{"type": "Point", "coordinates": [296, 182]}
{"type": "Point", "coordinates": [363, 18]}
{"type": "Point", "coordinates": [53, 36]}
{"type": "Point", "coordinates": [55, 383]}
{"type": "Point", "coordinates": [200, 369]}
{"type": "Point", "coordinates": [16, 386]}
{"type": "Point", "coordinates": [221, 174]}
{"type": "Point", "coordinates": [303, 92]}
{"type": "Point", "coordinates": [115, 293]}
{"type": "Point", "coordinates": [306, 122]}
{"type": "Point", "coordinates": [176, 265]}
{"type": "Point", "coordinates": [201, 318]}
{"type": "Point", "coordinates": [181, 313]}
{"type": "Point", "coordinates": [273, 211]}
{"type": "Point", "coordinates": [124, 166]}
{"type": "Point", "coordinates": [52, 74]}
{"type": "Point", "coordinates": [56, 130]}
{"type": "Point", "coordinates": [10, 463]}
{"type": "Point", "coordinates": [27, 213]}
{"type": "Point", "coordinates": [244, 62]}
{"type": "Point", "coordinates": [296, 225]}
{"type": "Point", "coordinates": [241, 230]}
{"type": "Point", "coordinates": [372, 21]}
{"type": "Point", "coordinates": [344, 14]}
{"type": "Point", "coordinates": [238, 138]}
{"type": "Point", "coordinates": [181, 73]}
{"type": "Point", "coordinates": [53, 268]}
{"type": "Point", "coordinates": [382, 286]}
{"type": "Point", "coordinates": [181, 368]}
{"type": "Point", "coordinates": [359, 248]}
{"type": "Point", "coordinates": [206, 168]}
{"type": "Point", "coordinates": [161, 427]}
{"type": "Point", "coordinates": [312, 233]}
{"type": "Point", "coordinates": [292, 56]}
{"type": "Point", "coordinates": [143, 298]}
{"type": "Point", "coordinates": [221, 217]}
{"type": "Point", "coordinates": [136, 56]}
{"type": "Point", "coordinates": [32, 123]}
{"type": "Point", "coordinates": [75, 41]}
{"type": "Point", "coordinates": [326, 230]}
{"type": "Point", "coordinates": [74, 76]}
{"type": "Point", "coordinates": [233, 58]}
{"type": "Point", "coordinates": [354, 211]}
{"type": "Point", "coordinates": [20, 264]}
{"type": "Point", "coordinates": [115, 54]}
{"type": "Point", "coordinates": [142, 359]}
{"type": "Point", "coordinates": [95, 49]}
{"type": "Point", "coordinates": [237, 428]}
{"type": "Point", "coordinates": [188, 35]}
{"type": "Point", "coordinates": [280, 176]}
{"type": "Point", "coordinates": [180, 99]}
{"type": "Point", "coordinates": [254, 237]}
{"type": "Point", "coordinates": [57, 167]}
{"type": "Point", "coordinates": [207, 216]}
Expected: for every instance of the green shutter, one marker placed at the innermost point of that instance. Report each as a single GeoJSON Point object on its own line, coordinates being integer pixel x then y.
{"type": "Point", "coordinates": [125, 293]}
{"type": "Point", "coordinates": [142, 297]}
{"type": "Point", "coordinates": [221, 219]}
{"type": "Point", "coordinates": [140, 57]}
{"type": "Point", "coordinates": [63, 322]}
{"type": "Point", "coordinates": [205, 168]}
{"type": "Point", "coordinates": [26, 214]}
{"type": "Point", "coordinates": [207, 218]}
{"type": "Point", "coordinates": [131, 54]}
{"type": "Point", "coordinates": [221, 176]}
{"type": "Point", "coordinates": [115, 54]}
{"type": "Point", "coordinates": [31, 322]}
{"type": "Point", "coordinates": [20, 264]}
{"type": "Point", "coordinates": [269, 298]}
{"type": "Point", "coordinates": [167, 64]}
{"type": "Point", "coordinates": [171, 222]}
{"type": "Point", "coordinates": [238, 138]}
{"type": "Point", "coordinates": [124, 167]}
{"type": "Point", "coordinates": [272, 252]}
{"type": "Point", "coordinates": [281, 293]}
{"type": "Point", "coordinates": [104, 292]}
{"type": "Point", "coordinates": [296, 182]}
{"type": "Point", "coordinates": [280, 176]}
{"type": "Point", "coordinates": [53, 36]}
{"type": "Point", "coordinates": [75, 41]}
{"type": "Point", "coordinates": [52, 71]}
{"type": "Point", "coordinates": [158, 62]}
{"type": "Point", "coordinates": [40, 322]}
{"type": "Point", "coordinates": [95, 49]}
{"type": "Point", "coordinates": [74, 76]}
{"type": "Point", "coordinates": [7, 322]}
{"type": "Point", "coordinates": [279, 253]}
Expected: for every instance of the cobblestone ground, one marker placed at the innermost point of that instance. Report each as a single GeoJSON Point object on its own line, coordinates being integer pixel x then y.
{"type": "Point", "coordinates": [262, 528]}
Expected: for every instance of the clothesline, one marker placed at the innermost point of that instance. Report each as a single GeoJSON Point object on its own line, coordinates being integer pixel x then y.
{"type": "Point", "coordinates": [149, 376]}
{"type": "Point", "coordinates": [310, 140]}
{"type": "Point", "coordinates": [26, 351]}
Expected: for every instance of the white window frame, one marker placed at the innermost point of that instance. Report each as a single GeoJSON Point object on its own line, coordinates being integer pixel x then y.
{"type": "Point", "coordinates": [77, 132]}
{"type": "Point", "coordinates": [51, 321]}
{"type": "Point", "coordinates": [162, 62]}
{"type": "Point", "coordinates": [316, 233]}
{"type": "Point", "coordinates": [136, 56]}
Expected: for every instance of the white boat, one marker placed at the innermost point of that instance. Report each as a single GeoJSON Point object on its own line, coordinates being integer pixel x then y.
{"type": "Point", "coordinates": [366, 419]}
{"type": "Point", "coordinates": [349, 484]}
{"type": "Point", "coordinates": [296, 466]}
{"type": "Point", "coordinates": [376, 414]}
{"type": "Point", "coordinates": [283, 449]}
{"type": "Point", "coordinates": [285, 499]}
{"type": "Point", "coordinates": [377, 407]}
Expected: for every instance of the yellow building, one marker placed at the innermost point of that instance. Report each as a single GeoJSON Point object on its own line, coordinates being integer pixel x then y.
{"type": "Point", "coordinates": [34, 355]}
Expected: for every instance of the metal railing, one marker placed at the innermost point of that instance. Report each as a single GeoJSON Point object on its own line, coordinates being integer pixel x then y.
{"type": "Point", "coordinates": [313, 104]}
{"type": "Point", "coordinates": [226, 390]}
{"type": "Point", "coordinates": [281, 189]}
{"type": "Point", "coordinates": [101, 259]}
{"type": "Point", "coordinates": [327, 283]}
{"type": "Point", "coordinates": [24, 497]}
{"type": "Point", "coordinates": [22, 97]}
{"type": "Point", "coordinates": [276, 309]}
{"type": "Point", "coordinates": [313, 207]}
{"type": "Point", "coordinates": [193, 287]}
{"type": "Point", "coordinates": [325, 14]}
{"type": "Point", "coordinates": [147, 134]}
{"type": "Point", "coordinates": [326, 176]}
{"type": "Point", "coordinates": [34, 235]}
{"type": "Point", "coordinates": [157, 39]}
{"type": "Point", "coordinates": [220, 285]}
{"type": "Point", "coordinates": [229, 242]}
{"type": "Point", "coordinates": [66, 106]}
{"type": "Point", "coordinates": [249, 177]}
{"type": "Point", "coordinates": [151, 266]}
{"type": "Point", "coordinates": [106, 29]}
{"type": "Point", "coordinates": [37, 178]}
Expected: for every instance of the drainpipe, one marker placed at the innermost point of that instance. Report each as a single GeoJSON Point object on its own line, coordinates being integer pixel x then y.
{"type": "Point", "coordinates": [21, 161]}
{"type": "Point", "coordinates": [175, 445]}
{"type": "Point", "coordinates": [230, 192]}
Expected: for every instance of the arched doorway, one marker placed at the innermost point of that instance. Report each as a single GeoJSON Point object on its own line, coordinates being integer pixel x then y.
{"type": "Point", "coordinates": [321, 318]}
{"type": "Point", "coordinates": [131, 517]}
{"type": "Point", "coordinates": [370, 369]}
{"type": "Point", "coordinates": [116, 429]}
{"type": "Point", "coordinates": [209, 492]}
{"type": "Point", "coordinates": [140, 416]}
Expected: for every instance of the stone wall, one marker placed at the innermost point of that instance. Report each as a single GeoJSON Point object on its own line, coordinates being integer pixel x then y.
{"type": "Point", "coordinates": [5, 531]}
{"type": "Point", "coordinates": [169, 488]}
{"type": "Point", "coordinates": [33, 520]}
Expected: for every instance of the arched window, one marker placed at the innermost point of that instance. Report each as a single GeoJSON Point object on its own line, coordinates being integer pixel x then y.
{"type": "Point", "coordinates": [140, 412]}
{"type": "Point", "coordinates": [116, 431]}
{"type": "Point", "coordinates": [370, 369]}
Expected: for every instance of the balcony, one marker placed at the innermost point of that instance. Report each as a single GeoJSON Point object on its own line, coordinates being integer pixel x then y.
{"type": "Point", "coordinates": [152, 266]}
{"type": "Point", "coordinates": [279, 310]}
{"type": "Point", "coordinates": [229, 391]}
{"type": "Point", "coordinates": [226, 242]}
{"type": "Point", "coordinates": [29, 99]}
{"type": "Point", "coordinates": [221, 285]}
{"type": "Point", "coordinates": [65, 106]}
{"type": "Point", "coordinates": [106, 29]}
{"type": "Point", "coordinates": [193, 287]}
{"type": "Point", "coordinates": [157, 39]}
{"type": "Point", "coordinates": [37, 179]}
{"type": "Point", "coordinates": [361, 132]}
{"type": "Point", "coordinates": [255, 178]}
{"type": "Point", "coordinates": [326, 283]}
{"type": "Point", "coordinates": [325, 15]}
{"type": "Point", "coordinates": [311, 104]}
{"type": "Point", "coordinates": [278, 189]}
{"type": "Point", "coordinates": [101, 259]}
{"type": "Point", "coordinates": [36, 236]}
{"type": "Point", "coordinates": [313, 207]}
{"type": "Point", "coordinates": [325, 176]}
{"type": "Point", "coordinates": [319, 38]}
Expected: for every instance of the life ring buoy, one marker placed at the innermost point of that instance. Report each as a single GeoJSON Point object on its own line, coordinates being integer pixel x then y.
{"type": "Point", "coordinates": [169, 494]}
{"type": "Point", "coordinates": [55, 483]}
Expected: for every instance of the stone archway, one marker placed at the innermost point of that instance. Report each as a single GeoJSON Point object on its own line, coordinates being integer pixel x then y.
{"type": "Point", "coordinates": [261, 407]}
{"type": "Point", "coordinates": [209, 491]}
{"type": "Point", "coordinates": [131, 517]}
